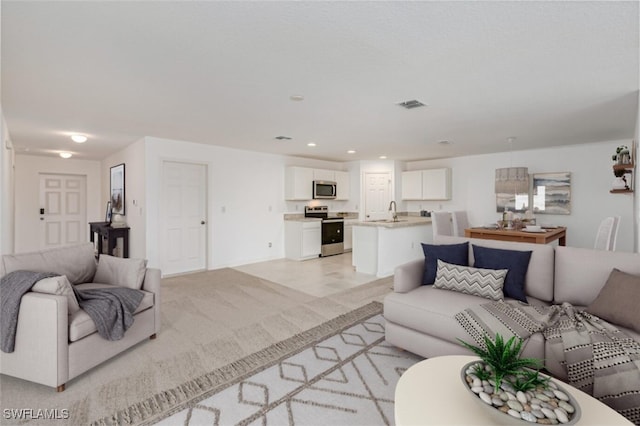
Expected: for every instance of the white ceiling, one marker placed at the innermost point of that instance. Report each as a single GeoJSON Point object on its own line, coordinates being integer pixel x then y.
{"type": "Point", "coordinates": [221, 73]}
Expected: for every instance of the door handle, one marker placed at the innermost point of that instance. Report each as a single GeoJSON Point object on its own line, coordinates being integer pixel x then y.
{"type": "Point", "coordinates": [202, 222]}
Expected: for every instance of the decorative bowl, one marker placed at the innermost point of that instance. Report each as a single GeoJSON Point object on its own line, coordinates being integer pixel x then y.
{"type": "Point", "coordinates": [500, 417]}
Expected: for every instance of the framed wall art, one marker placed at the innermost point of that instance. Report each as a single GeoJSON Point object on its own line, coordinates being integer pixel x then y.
{"type": "Point", "coordinates": [552, 193]}
{"type": "Point", "coordinates": [107, 213]}
{"type": "Point", "coordinates": [117, 189]}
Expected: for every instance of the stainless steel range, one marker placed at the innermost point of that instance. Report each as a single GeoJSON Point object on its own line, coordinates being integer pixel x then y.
{"type": "Point", "coordinates": [332, 230]}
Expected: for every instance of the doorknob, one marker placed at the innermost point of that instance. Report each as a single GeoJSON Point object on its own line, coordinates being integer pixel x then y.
{"type": "Point", "coordinates": [202, 222]}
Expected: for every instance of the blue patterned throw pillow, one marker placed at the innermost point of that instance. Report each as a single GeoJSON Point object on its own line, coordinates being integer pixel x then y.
{"type": "Point", "coordinates": [457, 254]}
{"type": "Point", "coordinates": [485, 283]}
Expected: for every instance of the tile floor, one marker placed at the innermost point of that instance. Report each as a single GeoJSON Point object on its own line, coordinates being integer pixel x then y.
{"type": "Point", "coordinates": [316, 277]}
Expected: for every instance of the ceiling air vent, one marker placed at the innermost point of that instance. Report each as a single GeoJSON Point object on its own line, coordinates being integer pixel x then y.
{"type": "Point", "coordinates": [283, 138]}
{"type": "Point", "coordinates": [411, 104]}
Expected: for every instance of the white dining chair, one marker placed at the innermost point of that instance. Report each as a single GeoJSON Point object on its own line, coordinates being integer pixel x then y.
{"type": "Point", "coordinates": [614, 233]}
{"type": "Point", "coordinates": [460, 222]}
{"type": "Point", "coordinates": [604, 235]}
{"type": "Point", "coordinates": [441, 223]}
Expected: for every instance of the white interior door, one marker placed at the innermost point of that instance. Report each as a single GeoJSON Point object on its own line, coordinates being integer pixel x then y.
{"type": "Point", "coordinates": [377, 195]}
{"type": "Point", "coordinates": [63, 210]}
{"type": "Point", "coordinates": [184, 214]}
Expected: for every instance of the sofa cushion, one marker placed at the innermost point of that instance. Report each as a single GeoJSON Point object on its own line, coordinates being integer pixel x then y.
{"type": "Point", "coordinates": [457, 254]}
{"type": "Point", "coordinates": [485, 283]}
{"type": "Point", "coordinates": [120, 271]}
{"type": "Point", "coordinates": [77, 262]}
{"type": "Point", "coordinates": [619, 300]}
{"type": "Point", "coordinates": [58, 285]}
{"type": "Point", "coordinates": [581, 273]}
{"type": "Point", "coordinates": [432, 311]}
{"type": "Point", "coordinates": [81, 324]}
{"type": "Point", "coordinates": [516, 261]}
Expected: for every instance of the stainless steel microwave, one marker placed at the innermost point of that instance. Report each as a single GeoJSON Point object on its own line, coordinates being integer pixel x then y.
{"type": "Point", "coordinates": [324, 189]}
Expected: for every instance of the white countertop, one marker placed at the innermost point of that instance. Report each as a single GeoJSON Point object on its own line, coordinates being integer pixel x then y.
{"type": "Point", "coordinates": [403, 222]}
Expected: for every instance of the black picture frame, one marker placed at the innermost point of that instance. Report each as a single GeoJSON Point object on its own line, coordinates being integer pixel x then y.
{"type": "Point", "coordinates": [116, 189]}
{"type": "Point", "coordinates": [107, 213]}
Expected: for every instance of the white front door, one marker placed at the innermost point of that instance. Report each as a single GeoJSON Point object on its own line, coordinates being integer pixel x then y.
{"type": "Point", "coordinates": [63, 210]}
{"type": "Point", "coordinates": [377, 195]}
{"type": "Point", "coordinates": [184, 214]}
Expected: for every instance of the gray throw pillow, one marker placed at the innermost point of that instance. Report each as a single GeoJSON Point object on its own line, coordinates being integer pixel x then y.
{"type": "Point", "coordinates": [120, 271]}
{"type": "Point", "coordinates": [619, 300]}
{"type": "Point", "coordinates": [485, 283]}
{"type": "Point", "coordinates": [59, 285]}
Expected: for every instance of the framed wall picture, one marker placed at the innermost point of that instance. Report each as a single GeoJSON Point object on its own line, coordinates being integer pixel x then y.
{"type": "Point", "coordinates": [117, 189]}
{"type": "Point", "coordinates": [552, 193]}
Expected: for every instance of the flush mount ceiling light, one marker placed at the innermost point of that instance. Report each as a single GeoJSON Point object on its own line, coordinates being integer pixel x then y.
{"type": "Point", "coordinates": [296, 98]}
{"type": "Point", "coordinates": [410, 104]}
{"type": "Point", "coordinates": [351, 151]}
{"type": "Point", "coordinates": [65, 155]}
{"type": "Point", "coordinates": [311, 144]}
{"type": "Point", "coordinates": [79, 138]}
{"type": "Point", "coordinates": [383, 157]}
{"type": "Point", "coordinates": [283, 138]}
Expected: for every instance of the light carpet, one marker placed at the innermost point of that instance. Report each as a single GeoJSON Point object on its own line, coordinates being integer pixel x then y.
{"type": "Point", "coordinates": [348, 378]}
{"type": "Point", "coordinates": [209, 320]}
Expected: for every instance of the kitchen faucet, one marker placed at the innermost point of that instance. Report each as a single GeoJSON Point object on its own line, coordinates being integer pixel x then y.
{"type": "Point", "coordinates": [392, 205]}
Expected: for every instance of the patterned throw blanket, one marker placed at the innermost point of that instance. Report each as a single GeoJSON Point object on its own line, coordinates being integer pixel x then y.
{"type": "Point", "coordinates": [600, 359]}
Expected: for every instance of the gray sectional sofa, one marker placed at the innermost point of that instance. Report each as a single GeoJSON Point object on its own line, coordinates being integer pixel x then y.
{"type": "Point", "coordinates": [420, 318]}
{"type": "Point", "coordinates": [54, 343]}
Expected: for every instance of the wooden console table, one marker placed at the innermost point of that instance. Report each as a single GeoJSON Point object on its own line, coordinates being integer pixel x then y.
{"type": "Point", "coordinates": [105, 231]}
{"type": "Point", "coordinates": [544, 237]}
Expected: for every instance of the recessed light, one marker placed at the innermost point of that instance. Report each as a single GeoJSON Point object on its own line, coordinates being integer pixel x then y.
{"type": "Point", "coordinates": [79, 138]}
{"type": "Point", "coordinates": [311, 144]}
{"type": "Point", "coordinates": [65, 154]}
{"type": "Point", "coordinates": [383, 157]}
{"type": "Point", "coordinates": [351, 151]}
{"type": "Point", "coordinates": [296, 98]}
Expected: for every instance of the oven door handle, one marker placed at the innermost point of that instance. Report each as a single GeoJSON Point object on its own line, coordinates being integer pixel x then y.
{"type": "Point", "coordinates": [333, 220]}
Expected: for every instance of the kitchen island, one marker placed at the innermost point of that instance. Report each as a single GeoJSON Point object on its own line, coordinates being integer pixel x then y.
{"type": "Point", "coordinates": [380, 246]}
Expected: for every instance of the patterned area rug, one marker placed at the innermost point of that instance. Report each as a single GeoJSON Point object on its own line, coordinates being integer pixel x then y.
{"type": "Point", "coordinates": [341, 373]}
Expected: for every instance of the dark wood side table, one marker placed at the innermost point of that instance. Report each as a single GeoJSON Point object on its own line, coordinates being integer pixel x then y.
{"type": "Point", "coordinates": [104, 230]}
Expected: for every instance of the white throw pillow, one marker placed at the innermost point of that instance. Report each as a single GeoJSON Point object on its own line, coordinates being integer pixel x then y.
{"type": "Point", "coordinates": [120, 271]}
{"type": "Point", "coordinates": [485, 283]}
{"type": "Point", "coordinates": [59, 285]}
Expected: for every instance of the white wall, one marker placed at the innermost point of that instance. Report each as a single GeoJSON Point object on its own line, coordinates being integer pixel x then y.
{"type": "Point", "coordinates": [133, 157]}
{"type": "Point", "coordinates": [7, 157]}
{"type": "Point", "coordinates": [636, 137]}
{"type": "Point", "coordinates": [27, 199]}
{"type": "Point", "coordinates": [248, 186]}
{"type": "Point", "coordinates": [591, 177]}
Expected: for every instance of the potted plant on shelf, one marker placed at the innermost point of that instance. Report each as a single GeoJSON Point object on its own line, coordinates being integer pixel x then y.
{"type": "Point", "coordinates": [622, 155]}
{"type": "Point", "coordinates": [512, 386]}
{"type": "Point", "coordinates": [620, 182]}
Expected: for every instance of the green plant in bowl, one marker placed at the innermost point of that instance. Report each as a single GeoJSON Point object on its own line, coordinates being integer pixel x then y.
{"type": "Point", "coordinates": [503, 358]}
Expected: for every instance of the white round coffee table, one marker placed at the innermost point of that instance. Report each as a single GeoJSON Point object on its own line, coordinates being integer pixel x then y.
{"type": "Point", "coordinates": [425, 394]}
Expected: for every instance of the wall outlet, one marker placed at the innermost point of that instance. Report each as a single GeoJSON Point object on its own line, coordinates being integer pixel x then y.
{"type": "Point", "coordinates": [223, 209]}
{"type": "Point", "coordinates": [270, 244]}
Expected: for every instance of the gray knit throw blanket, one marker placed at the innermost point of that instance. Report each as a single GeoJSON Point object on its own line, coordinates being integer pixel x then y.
{"type": "Point", "coordinates": [600, 359]}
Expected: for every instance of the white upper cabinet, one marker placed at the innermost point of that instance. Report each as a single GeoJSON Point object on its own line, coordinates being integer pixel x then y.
{"type": "Point", "coordinates": [434, 184]}
{"type": "Point", "coordinates": [412, 185]}
{"type": "Point", "coordinates": [343, 187]}
{"type": "Point", "coordinates": [298, 183]}
{"type": "Point", "coordinates": [320, 174]}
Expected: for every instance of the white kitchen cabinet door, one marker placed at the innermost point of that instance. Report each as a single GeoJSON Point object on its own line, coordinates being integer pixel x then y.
{"type": "Point", "coordinates": [412, 185]}
{"type": "Point", "coordinates": [348, 234]}
{"type": "Point", "coordinates": [302, 240]}
{"type": "Point", "coordinates": [436, 184]}
{"type": "Point", "coordinates": [311, 241]}
{"type": "Point", "coordinates": [343, 187]}
{"type": "Point", "coordinates": [298, 183]}
{"type": "Point", "coordinates": [322, 174]}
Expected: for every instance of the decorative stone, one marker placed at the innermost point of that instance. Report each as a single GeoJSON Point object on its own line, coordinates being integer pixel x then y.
{"type": "Point", "coordinates": [543, 397]}
{"type": "Point", "coordinates": [561, 395]}
{"type": "Point", "coordinates": [535, 401]}
{"type": "Point", "coordinates": [548, 413]}
{"type": "Point", "coordinates": [497, 401]}
{"type": "Point", "coordinates": [538, 413]}
{"type": "Point", "coordinates": [566, 406]}
{"type": "Point", "coordinates": [521, 397]}
{"type": "Point", "coordinates": [544, 421]}
{"type": "Point", "coordinates": [477, 389]}
{"type": "Point", "coordinates": [488, 389]}
{"type": "Point", "coordinates": [507, 387]}
{"type": "Point", "coordinates": [515, 405]}
{"type": "Point", "coordinates": [504, 396]}
{"type": "Point", "coordinates": [514, 413]}
{"type": "Point", "coordinates": [485, 397]}
{"type": "Point", "coordinates": [477, 383]}
{"type": "Point", "coordinates": [562, 416]}
{"type": "Point", "coordinates": [552, 385]}
{"type": "Point", "coordinates": [504, 409]}
{"type": "Point", "coordinates": [535, 407]}
{"type": "Point", "coordinates": [549, 393]}
{"type": "Point", "coordinates": [528, 417]}
{"type": "Point", "coordinates": [510, 396]}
